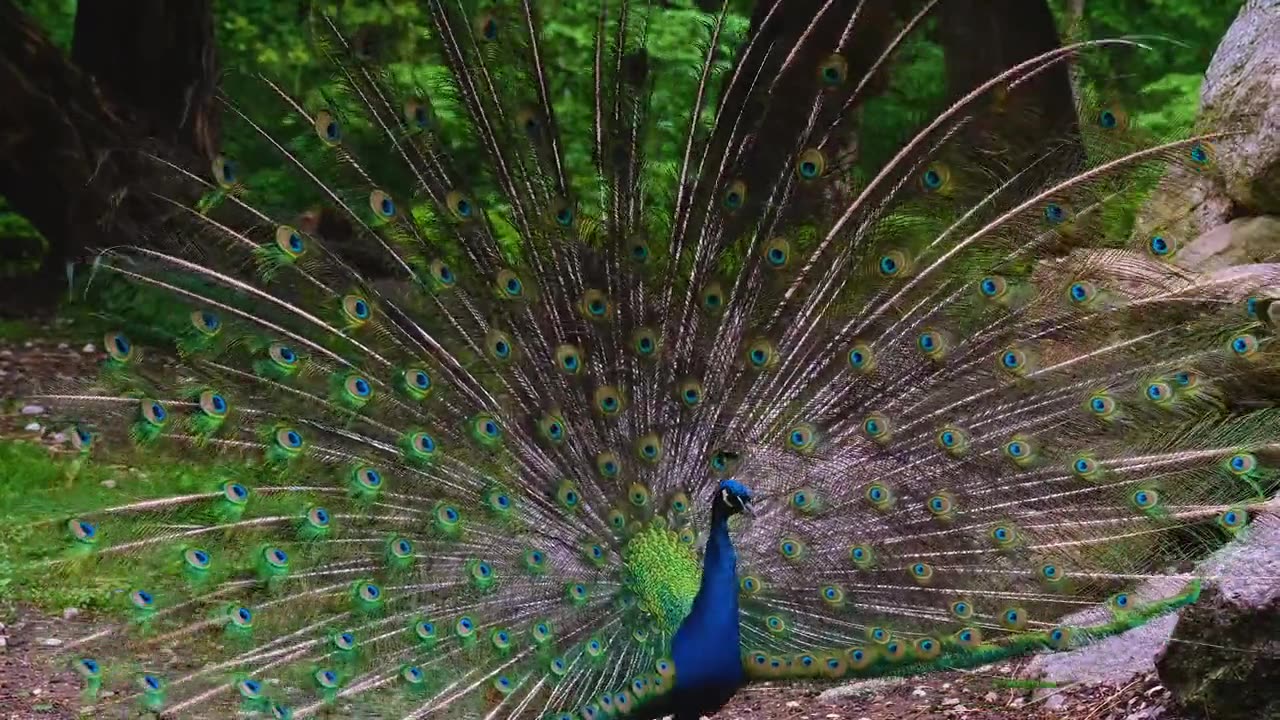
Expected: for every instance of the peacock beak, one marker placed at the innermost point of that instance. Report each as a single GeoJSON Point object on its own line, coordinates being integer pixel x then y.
{"type": "Point", "coordinates": [747, 507]}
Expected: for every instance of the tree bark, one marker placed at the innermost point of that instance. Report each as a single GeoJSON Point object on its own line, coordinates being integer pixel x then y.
{"type": "Point", "coordinates": [69, 133]}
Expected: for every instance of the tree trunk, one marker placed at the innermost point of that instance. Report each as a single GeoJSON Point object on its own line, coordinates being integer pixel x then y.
{"type": "Point", "coordinates": [69, 132]}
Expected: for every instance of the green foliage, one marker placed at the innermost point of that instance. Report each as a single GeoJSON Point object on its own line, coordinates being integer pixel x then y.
{"type": "Point", "coordinates": [1158, 84]}
{"type": "Point", "coordinates": [1161, 80]}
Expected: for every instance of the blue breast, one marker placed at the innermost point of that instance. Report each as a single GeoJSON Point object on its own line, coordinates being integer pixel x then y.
{"type": "Point", "coordinates": [706, 647]}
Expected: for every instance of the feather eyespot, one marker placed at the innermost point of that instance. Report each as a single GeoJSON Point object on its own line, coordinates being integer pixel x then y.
{"type": "Point", "coordinates": [1162, 246]}
{"type": "Point", "coordinates": [290, 242]}
{"type": "Point", "coordinates": [460, 206]}
{"type": "Point", "coordinates": [833, 71]}
{"type": "Point", "coordinates": [861, 359]}
{"type": "Point", "coordinates": [689, 392]}
{"type": "Point", "coordinates": [1082, 292]}
{"type": "Point", "coordinates": [1244, 346]}
{"type": "Point", "coordinates": [486, 27]}
{"type": "Point", "coordinates": [1145, 499]}
{"type": "Point", "coordinates": [879, 495]}
{"type": "Point", "coordinates": [1241, 464]}
{"type": "Point", "coordinates": [213, 404]}
{"type": "Point", "coordinates": [118, 347]}
{"type": "Point", "coordinates": [562, 212]}
{"type": "Point", "coordinates": [356, 309]}
{"type": "Point", "coordinates": [1101, 404]}
{"type": "Point", "coordinates": [935, 178]}
{"type": "Point", "coordinates": [802, 438]}
{"type": "Point", "coordinates": [1055, 214]}
{"type": "Point", "coordinates": [776, 253]}
{"type": "Point", "coordinates": [639, 252]}
{"type": "Point", "coordinates": [735, 196]}
{"type": "Point", "coordinates": [1201, 154]}
{"type": "Point", "coordinates": [644, 342]}
{"type": "Point", "coordinates": [649, 447]}
{"type": "Point", "coordinates": [713, 299]}
{"type": "Point", "coordinates": [283, 356]}
{"type": "Point", "coordinates": [811, 164]}
{"type": "Point", "coordinates": [608, 464]}
{"type": "Point", "coordinates": [932, 344]}
{"type": "Point", "coordinates": [1233, 519]}
{"type": "Point", "coordinates": [608, 400]}
{"type": "Point", "coordinates": [594, 305]}
{"type": "Point", "coordinates": [552, 428]}
{"type": "Point", "coordinates": [327, 128]}
{"type": "Point", "coordinates": [152, 412]}
{"type": "Point", "coordinates": [225, 171]}
{"type": "Point", "coordinates": [196, 559]}
{"type": "Point", "coordinates": [499, 346]}
{"type": "Point", "coordinates": [509, 285]}
{"type": "Point", "coordinates": [206, 322]}
{"type": "Point", "coordinates": [993, 287]}
{"type": "Point", "coordinates": [893, 263]}
{"type": "Point", "coordinates": [877, 427]}
{"type": "Point", "coordinates": [442, 276]}
{"type": "Point", "coordinates": [419, 115]}
{"type": "Point", "coordinates": [862, 556]}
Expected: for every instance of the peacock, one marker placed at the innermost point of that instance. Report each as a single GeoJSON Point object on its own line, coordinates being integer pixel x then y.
{"type": "Point", "coordinates": [537, 420]}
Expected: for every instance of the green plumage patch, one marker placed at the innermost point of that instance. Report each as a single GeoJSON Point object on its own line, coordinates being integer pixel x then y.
{"type": "Point", "coordinates": [664, 575]}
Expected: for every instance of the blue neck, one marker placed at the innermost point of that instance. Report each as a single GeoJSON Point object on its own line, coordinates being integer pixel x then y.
{"type": "Point", "coordinates": [706, 648]}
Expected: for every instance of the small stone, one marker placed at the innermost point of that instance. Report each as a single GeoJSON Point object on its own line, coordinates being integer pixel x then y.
{"type": "Point", "coordinates": [51, 642]}
{"type": "Point", "coordinates": [28, 344]}
{"type": "Point", "coordinates": [1055, 702]}
{"type": "Point", "coordinates": [37, 691]}
{"type": "Point", "coordinates": [63, 346]}
{"type": "Point", "coordinates": [88, 348]}
{"type": "Point", "coordinates": [108, 693]}
{"type": "Point", "coordinates": [951, 701]}
{"type": "Point", "coordinates": [4, 642]}
{"type": "Point", "coordinates": [1154, 690]}
{"type": "Point", "coordinates": [833, 716]}
{"type": "Point", "coordinates": [946, 686]}
{"type": "Point", "coordinates": [918, 692]}
{"type": "Point", "coordinates": [59, 437]}
{"type": "Point", "coordinates": [793, 703]}
{"type": "Point", "coordinates": [70, 613]}
{"type": "Point", "coordinates": [32, 409]}
{"type": "Point", "coordinates": [991, 697]}
{"type": "Point", "coordinates": [33, 427]}
{"type": "Point", "coordinates": [108, 484]}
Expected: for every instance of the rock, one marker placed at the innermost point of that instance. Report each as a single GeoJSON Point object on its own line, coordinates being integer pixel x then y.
{"type": "Point", "coordinates": [951, 701]}
{"type": "Point", "coordinates": [4, 642]}
{"type": "Point", "coordinates": [992, 697]}
{"type": "Point", "coordinates": [1239, 242]}
{"type": "Point", "coordinates": [1243, 84]}
{"type": "Point", "coordinates": [89, 348]}
{"type": "Point", "coordinates": [793, 703]}
{"type": "Point", "coordinates": [51, 642]}
{"type": "Point", "coordinates": [63, 346]}
{"type": "Point", "coordinates": [70, 613]}
{"type": "Point", "coordinates": [32, 409]}
{"type": "Point", "coordinates": [108, 484]}
{"type": "Point", "coordinates": [918, 692]}
{"type": "Point", "coordinates": [1241, 91]}
{"type": "Point", "coordinates": [1223, 666]}
{"type": "Point", "coordinates": [33, 427]}
{"type": "Point", "coordinates": [1055, 702]}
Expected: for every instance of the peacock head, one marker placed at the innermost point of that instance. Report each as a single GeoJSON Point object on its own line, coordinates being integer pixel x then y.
{"type": "Point", "coordinates": [732, 497]}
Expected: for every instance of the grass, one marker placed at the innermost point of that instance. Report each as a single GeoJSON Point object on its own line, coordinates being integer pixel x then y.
{"type": "Point", "coordinates": [41, 491]}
